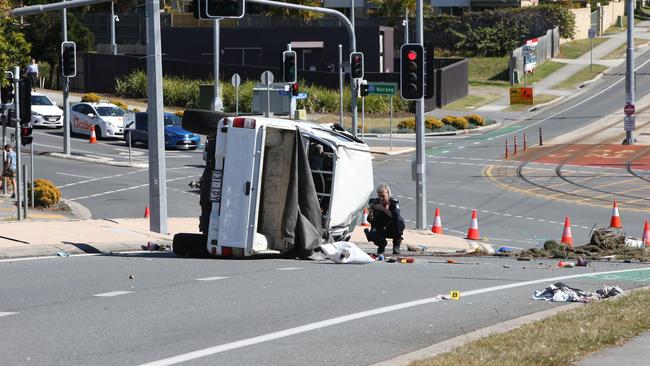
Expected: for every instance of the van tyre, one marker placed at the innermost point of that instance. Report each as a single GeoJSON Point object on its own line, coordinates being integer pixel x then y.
{"type": "Point", "coordinates": [193, 245]}
{"type": "Point", "coordinates": [98, 132]}
{"type": "Point", "coordinates": [201, 121]}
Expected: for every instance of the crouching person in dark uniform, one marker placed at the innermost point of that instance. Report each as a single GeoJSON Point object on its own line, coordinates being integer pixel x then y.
{"type": "Point", "coordinates": [385, 220]}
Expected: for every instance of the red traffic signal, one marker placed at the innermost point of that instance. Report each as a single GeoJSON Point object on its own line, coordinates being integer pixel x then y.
{"type": "Point", "coordinates": [295, 89]}
{"type": "Point", "coordinates": [412, 71]}
{"type": "Point", "coordinates": [356, 65]}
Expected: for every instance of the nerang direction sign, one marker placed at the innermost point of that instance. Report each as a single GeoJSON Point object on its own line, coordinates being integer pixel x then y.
{"type": "Point", "coordinates": [382, 88]}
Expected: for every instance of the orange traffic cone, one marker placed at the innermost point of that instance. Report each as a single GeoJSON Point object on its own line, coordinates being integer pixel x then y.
{"type": "Point", "coordinates": [93, 137]}
{"type": "Point", "coordinates": [437, 223]}
{"type": "Point", "coordinates": [146, 212]}
{"type": "Point", "coordinates": [616, 218]}
{"type": "Point", "coordinates": [472, 233]}
{"type": "Point", "coordinates": [365, 218]}
{"type": "Point", "coordinates": [646, 234]}
{"type": "Point", "coordinates": [566, 234]}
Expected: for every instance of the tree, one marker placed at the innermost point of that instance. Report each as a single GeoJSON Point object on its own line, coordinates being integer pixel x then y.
{"type": "Point", "coordinates": [394, 8]}
{"type": "Point", "coordinates": [286, 12]}
{"type": "Point", "coordinates": [45, 34]}
{"type": "Point", "coordinates": [15, 49]}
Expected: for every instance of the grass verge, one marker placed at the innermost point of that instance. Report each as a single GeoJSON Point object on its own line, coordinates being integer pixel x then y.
{"type": "Point", "coordinates": [587, 73]}
{"type": "Point", "coordinates": [476, 98]}
{"type": "Point", "coordinates": [488, 71]}
{"type": "Point", "coordinates": [538, 99]}
{"type": "Point", "coordinates": [616, 29]}
{"type": "Point", "coordinates": [620, 51]}
{"type": "Point", "coordinates": [559, 340]}
{"type": "Point", "coordinates": [575, 49]}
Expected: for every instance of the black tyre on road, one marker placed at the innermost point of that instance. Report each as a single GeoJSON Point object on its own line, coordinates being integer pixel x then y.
{"type": "Point", "coordinates": [192, 245]}
{"type": "Point", "coordinates": [202, 122]}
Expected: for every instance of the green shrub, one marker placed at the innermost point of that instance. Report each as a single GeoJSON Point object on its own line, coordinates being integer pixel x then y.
{"type": "Point", "coordinates": [459, 123]}
{"type": "Point", "coordinates": [475, 119]}
{"type": "Point", "coordinates": [46, 194]}
{"type": "Point", "coordinates": [90, 98]}
{"type": "Point", "coordinates": [119, 104]}
{"type": "Point", "coordinates": [430, 123]}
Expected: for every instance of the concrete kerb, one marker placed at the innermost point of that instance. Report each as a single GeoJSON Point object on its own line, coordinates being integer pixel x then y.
{"type": "Point", "coordinates": [96, 160]}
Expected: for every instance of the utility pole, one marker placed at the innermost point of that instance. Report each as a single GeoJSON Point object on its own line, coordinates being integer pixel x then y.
{"type": "Point", "coordinates": [66, 89]}
{"type": "Point", "coordinates": [19, 174]}
{"type": "Point", "coordinates": [217, 103]}
{"type": "Point", "coordinates": [341, 84]}
{"type": "Point", "coordinates": [353, 86]}
{"type": "Point", "coordinates": [113, 44]}
{"type": "Point", "coordinates": [406, 26]}
{"type": "Point", "coordinates": [157, 168]}
{"type": "Point", "coordinates": [420, 166]}
{"type": "Point", "coordinates": [628, 122]}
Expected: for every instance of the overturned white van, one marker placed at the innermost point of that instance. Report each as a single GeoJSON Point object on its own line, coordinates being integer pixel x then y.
{"type": "Point", "coordinates": [276, 186]}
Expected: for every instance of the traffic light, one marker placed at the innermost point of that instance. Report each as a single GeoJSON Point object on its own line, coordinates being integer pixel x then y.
{"type": "Point", "coordinates": [7, 92]}
{"type": "Point", "coordinates": [363, 88]}
{"type": "Point", "coordinates": [295, 89]}
{"type": "Point", "coordinates": [412, 71]}
{"type": "Point", "coordinates": [25, 90]}
{"type": "Point", "coordinates": [214, 9]}
{"type": "Point", "coordinates": [26, 137]}
{"type": "Point", "coordinates": [68, 59]}
{"type": "Point", "coordinates": [289, 66]}
{"type": "Point", "coordinates": [356, 65]}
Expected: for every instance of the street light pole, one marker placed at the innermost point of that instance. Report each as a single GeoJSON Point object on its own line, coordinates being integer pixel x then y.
{"type": "Point", "coordinates": [628, 124]}
{"type": "Point", "coordinates": [66, 89]}
{"type": "Point", "coordinates": [217, 103]}
{"type": "Point", "coordinates": [420, 166]}
{"type": "Point", "coordinates": [113, 44]}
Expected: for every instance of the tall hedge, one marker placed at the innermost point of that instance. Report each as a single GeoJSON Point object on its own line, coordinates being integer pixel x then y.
{"type": "Point", "coordinates": [494, 33]}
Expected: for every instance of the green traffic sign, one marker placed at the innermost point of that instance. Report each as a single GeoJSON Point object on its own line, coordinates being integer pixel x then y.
{"type": "Point", "coordinates": [382, 88]}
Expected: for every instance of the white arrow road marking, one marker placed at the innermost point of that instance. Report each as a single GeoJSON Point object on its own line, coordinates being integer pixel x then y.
{"type": "Point", "coordinates": [355, 316]}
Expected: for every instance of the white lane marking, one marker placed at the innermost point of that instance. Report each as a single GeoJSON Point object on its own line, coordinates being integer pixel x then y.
{"type": "Point", "coordinates": [6, 313]}
{"type": "Point", "coordinates": [288, 268]}
{"type": "Point", "coordinates": [114, 293]}
{"type": "Point", "coordinates": [355, 316]}
{"type": "Point", "coordinates": [75, 175]}
{"type": "Point", "coordinates": [100, 178]}
{"type": "Point", "coordinates": [215, 278]}
{"type": "Point", "coordinates": [128, 189]}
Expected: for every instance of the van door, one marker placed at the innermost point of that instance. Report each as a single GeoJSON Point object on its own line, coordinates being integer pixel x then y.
{"type": "Point", "coordinates": [239, 172]}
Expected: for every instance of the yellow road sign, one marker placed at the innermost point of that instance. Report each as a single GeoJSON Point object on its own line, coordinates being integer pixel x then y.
{"type": "Point", "coordinates": [521, 96]}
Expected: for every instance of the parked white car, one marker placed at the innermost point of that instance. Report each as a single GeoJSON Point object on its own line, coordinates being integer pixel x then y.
{"type": "Point", "coordinates": [105, 118]}
{"type": "Point", "coordinates": [45, 113]}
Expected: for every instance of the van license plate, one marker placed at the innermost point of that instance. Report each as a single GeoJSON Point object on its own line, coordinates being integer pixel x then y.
{"type": "Point", "coordinates": [215, 193]}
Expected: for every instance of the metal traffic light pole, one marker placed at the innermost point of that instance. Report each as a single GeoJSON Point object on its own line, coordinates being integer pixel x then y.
{"type": "Point", "coordinates": [346, 23]}
{"type": "Point", "coordinates": [420, 184]}
{"type": "Point", "coordinates": [19, 175]}
{"type": "Point", "coordinates": [66, 89]}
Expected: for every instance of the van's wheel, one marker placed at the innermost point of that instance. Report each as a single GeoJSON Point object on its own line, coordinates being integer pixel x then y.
{"type": "Point", "coordinates": [202, 122]}
{"type": "Point", "coordinates": [98, 132]}
{"type": "Point", "coordinates": [193, 245]}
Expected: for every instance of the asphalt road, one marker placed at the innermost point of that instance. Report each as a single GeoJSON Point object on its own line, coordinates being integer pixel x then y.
{"type": "Point", "coordinates": [85, 310]}
{"type": "Point", "coordinates": [458, 179]}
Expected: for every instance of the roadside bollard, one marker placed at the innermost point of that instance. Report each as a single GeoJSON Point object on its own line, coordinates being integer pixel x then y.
{"type": "Point", "coordinates": [525, 142]}
{"type": "Point", "coordinates": [506, 149]}
{"type": "Point", "coordinates": [515, 152]}
{"type": "Point", "coordinates": [540, 136]}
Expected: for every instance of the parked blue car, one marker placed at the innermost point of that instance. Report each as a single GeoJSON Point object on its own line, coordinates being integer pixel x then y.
{"type": "Point", "coordinates": [175, 136]}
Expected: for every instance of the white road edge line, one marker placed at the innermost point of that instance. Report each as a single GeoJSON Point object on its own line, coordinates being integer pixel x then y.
{"type": "Point", "coordinates": [355, 316]}
{"type": "Point", "coordinates": [114, 293]}
{"type": "Point", "coordinates": [6, 313]}
{"type": "Point", "coordinates": [75, 175]}
{"type": "Point", "coordinates": [211, 278]}
{"type": "Point", "coordinates": [288, 268]}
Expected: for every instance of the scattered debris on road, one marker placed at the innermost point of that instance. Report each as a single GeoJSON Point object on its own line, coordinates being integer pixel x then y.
{"type": "Point", "coordinates": [154, 247]}
{"type": "Point", "coordinates": [342, 252]}
{"type": "Point", "coordinates": [560, 292]}
{"type": "Point", "coordinates": [63, 254]}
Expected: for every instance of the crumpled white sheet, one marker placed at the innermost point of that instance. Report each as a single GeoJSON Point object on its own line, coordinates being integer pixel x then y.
{"type": "Point", "coordinates": [559, 292]}
{"type": "Point", "coordinates": [345, 252]}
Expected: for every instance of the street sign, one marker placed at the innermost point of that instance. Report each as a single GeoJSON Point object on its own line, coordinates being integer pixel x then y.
{"type": "Point", "coordinates": [629, 109]}
{"type": "Point", "coordinates": [591, 33]}
{"type": "Point", "coordinates": [235, 80]}
{"type": "Point", "coordinates": [628, 123]}
{"type": "Point", "coordinates": [267, 77]}
{"type": "Point", "coordinates": [382, 88]}
{"type": "Point", "coordinates": [521, 96]}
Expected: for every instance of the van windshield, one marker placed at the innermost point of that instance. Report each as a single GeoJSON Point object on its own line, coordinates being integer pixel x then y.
{"type": "Point", "coordinates": [110, 111]}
